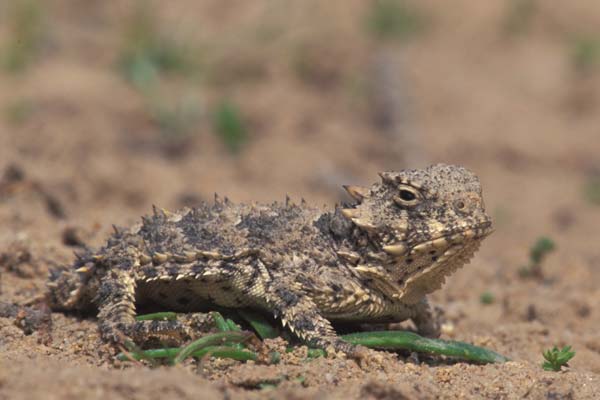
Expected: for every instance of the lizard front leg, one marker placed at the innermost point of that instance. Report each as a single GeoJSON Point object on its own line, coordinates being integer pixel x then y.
{"type": "Point", "coordinates": [116, 316]}
{"type": "Point", "coordinates": [300, 314]}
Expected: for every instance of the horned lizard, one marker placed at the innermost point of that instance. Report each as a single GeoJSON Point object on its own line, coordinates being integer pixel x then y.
{"type": "Point", "coordinates": [373, 260]}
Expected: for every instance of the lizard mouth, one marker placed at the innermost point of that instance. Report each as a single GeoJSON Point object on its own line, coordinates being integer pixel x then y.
{"type": "Point", "coordinates": [456, 238]}
{"type": "Point", "coordinates": [438, 258]}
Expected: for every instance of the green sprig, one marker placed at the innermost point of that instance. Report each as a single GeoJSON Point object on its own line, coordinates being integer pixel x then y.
{"type": "Point", "coordinates": [556, 358]}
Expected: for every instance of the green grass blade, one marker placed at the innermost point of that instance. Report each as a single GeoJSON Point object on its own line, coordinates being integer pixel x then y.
{"type": "Point", "coordinates": [233, 326]}
{"type": "Point", "coordinates": [220, 322]}
{"type": "Point", "coordinates": [159, 316]}
{"type": "Point", "coordinates": [211, 340]}
{"type": "Point", "coordinates": [233, 353]}
{"type": "Point", "coordinates": [397, 340]}
{"type": "Point", "coordinates": [231, 336]}
{"type": "Point", "coordinates": [172, 352]}
{"type": "Point", "coordinates": [260, 324]}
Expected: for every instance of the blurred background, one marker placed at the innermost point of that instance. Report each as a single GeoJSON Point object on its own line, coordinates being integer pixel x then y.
{"type": "Point", "coordinates": [109, 107]}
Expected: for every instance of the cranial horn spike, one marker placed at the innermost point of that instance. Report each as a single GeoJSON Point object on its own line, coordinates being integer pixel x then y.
{"type": "Point", "coordinates": [364, 224]}
{"type": "Point", "coordinates": [217, 199]}
{"type": "Point", "coordinates": [395, 249]}
{"type": "Point", "coordinates": [386, 177]}
{"type": "Point", "coordinates": [357, 192]}
{"type": "Point", "coordinates": [350, 213]}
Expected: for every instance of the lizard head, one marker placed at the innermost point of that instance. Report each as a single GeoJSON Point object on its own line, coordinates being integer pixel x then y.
{"type": "Point", "coordinates": [424, 224]}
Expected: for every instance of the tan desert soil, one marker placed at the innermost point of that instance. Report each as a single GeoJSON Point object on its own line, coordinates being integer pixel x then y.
{"type": "Point", "coordinates": [511, 106]}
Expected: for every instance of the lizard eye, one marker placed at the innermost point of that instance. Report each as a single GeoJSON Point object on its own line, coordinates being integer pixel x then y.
{"type": "Point", "coordinates": [407, 196]}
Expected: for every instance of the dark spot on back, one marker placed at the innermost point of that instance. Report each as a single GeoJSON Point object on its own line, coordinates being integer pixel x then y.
{"type": "Point", "coordinates": [289, 298]}
{"type": "Point", "coordinates": [160, 235]}
{"type": "Point", "coordinates": [337, 224]}
{"type": "Point", "coordinates": [199, 230]}
{"type": "Point", "coordinates": [267, 226]}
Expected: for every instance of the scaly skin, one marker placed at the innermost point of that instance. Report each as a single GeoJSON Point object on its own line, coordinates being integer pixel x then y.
{"type": "Point", "coordinates": [372, 261]}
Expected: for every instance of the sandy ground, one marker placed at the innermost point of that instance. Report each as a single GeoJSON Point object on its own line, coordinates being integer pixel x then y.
{"type": "Point", "coordinates": [81, 150]}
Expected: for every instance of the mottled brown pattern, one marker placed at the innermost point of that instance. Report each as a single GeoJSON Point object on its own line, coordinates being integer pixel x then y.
{"type": "Point", "coordinates": [374, 260]}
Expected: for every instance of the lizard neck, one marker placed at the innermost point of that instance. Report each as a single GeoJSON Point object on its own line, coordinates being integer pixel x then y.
{"type": "Point", "coordinates": [351, 238]}
{"type": "Point", "coordinates": [360, 250]}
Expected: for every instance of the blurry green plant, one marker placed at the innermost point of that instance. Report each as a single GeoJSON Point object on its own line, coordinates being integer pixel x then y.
{"type": "Point", "coordinates": [591, 190]}
{"type": "Point", "coordinates": [542, 247]}
{"type": "Point", "coordinates": [519, 16]}
{"type": "Point", "coordinates": [585, 53]}
{"type": "Point", "coordinates": [393, 19]}
{"type": "Point", "coordinates": [176, 119]}
{"type": "Point", "coordinates": [26, 35]}
{"type": "Point", "coordinates": [487, 298]}
{"type": "Point", "coordinates": [229, 126]}
{"type": "Point", "coordinates": [538, 252]}
{"type": "Point", "coordinates": [147, 52]}
{"type": "Point", "coordinates": [19, 111]}
{"type": "Point", "coordinates": [556, 358]}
